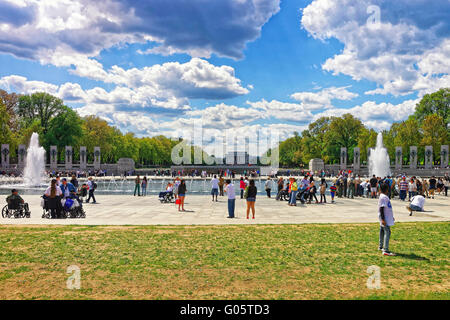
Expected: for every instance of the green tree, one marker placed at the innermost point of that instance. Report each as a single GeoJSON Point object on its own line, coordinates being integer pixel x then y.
{"type": "Point", "coordinates": [343, 132]}
{"type": "Point", "coordinates": [406, 134]}
{"type": "Point", "coordinates": [40, 105]}
{"type": "Point", "coordinates": [437, 103]}
{"type": "Point", "coordinates": [434, 134]}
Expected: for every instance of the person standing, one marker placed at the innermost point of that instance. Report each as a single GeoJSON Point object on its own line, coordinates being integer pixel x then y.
{"type": "Point", "coordinates": [386, 217]}
{"type": "Point", "coordinates": [403, 187]}
{"type": "Point", "coordinates": [432, 183]}
{"type": "Point", "coordinates": [446, 185]}
{"type": "Point", "coordinates": [323, 189]}
{"type": "Point", "coordinates": [53, 194]}
{"type": "Point", "coordinates": [351, 188]}
{"type": "Point", "coordinates": [144, 186]}
{"type": "Point", "coordinates": [293, 190]}
{"type": "Point", "coordinates": [268, 187]}
{"type": "Point", "coordinates": [137, 186]}
{"type": "Point", "coordinates": [242, 187]}
{"type": "Point", "coordinates": [229, 189]}
{"type": "Point", "coordinates": [373, 186]}
{"type": "Point", "coordinates": [412, 187]}
{"type": "Point", "coordinates": [221, 185]}
{"type": "Point", "coordinates": [181, 195]}
{"type": "Point", "coordinates": [251, 192]}
{"type": "Point", "coordinates": [91, 186]}
{"type": "Point", "coordinates": [214, 187]}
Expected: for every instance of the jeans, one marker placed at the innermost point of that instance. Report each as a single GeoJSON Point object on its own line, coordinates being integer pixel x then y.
{"type": "Point", "coordinates": [231, 206]}
{"type": "Point", "coordinates": [268, 193]}
{"type": "Point", "coordinates": [138, 188]}
{"type": "Point", "coordinates": [323, 198]}
{"type": "Point", "coordinates": [91, 195]}
{"type": "Point", "coordinates": [411, 194]}
{"type": "Point", "coordinates": [351, 191]}
{"type": "Point", "coordinates": [402, 195]}
{"type": "Point", "coordinates": [385, 235]}
{"type": "Point", "coordinates": [242, 193]}
{"type": "Point", "coordinates": [293, 198]}
{"type": "Point", "coordinates": [144, 190]}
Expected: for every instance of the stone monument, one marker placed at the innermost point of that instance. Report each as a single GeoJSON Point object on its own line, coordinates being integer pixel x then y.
{"type": "Point", "coordinates": [444, 156]}
{"type": "Point", "coordinates": [398, 158]}
{"type": "Point", "coordinates": [343, 159]}
{"type": "Point", "coordinates": [413, 157]}
{"type": "Point", "coordinates": [21, 154]}
{"type": "Point", "coordinates": [83, 158]}
{"type": "Point", "coordinates": [428, 157]}
{"type": "Point", "coordinates": [316, 165]}
{"type": "Point", "coordinates": [125, 165]}
{"type": "Point", "coordinates": [68, 157]}
{"type": "Point", "coordinates": [356, 159]}
{"type": "Point", "coordinates": [5, 156]}
{"type": "Point", "coordinates": [53, 157]}
{"type": "Point", "coordinates": [97, 158]}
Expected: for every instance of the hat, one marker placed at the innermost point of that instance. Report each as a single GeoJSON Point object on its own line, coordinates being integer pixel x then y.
{"type": "Point", "coordinates": [13, 190]}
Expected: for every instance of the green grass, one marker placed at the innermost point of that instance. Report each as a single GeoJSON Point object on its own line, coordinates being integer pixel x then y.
{"type": "Point", "coordinates": [320, 261]}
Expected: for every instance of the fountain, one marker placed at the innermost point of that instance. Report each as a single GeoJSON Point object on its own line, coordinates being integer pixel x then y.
{"type": "Point", "coordinates": [33, 174]}
{"type": "Point", "coordinates": [379, 163]}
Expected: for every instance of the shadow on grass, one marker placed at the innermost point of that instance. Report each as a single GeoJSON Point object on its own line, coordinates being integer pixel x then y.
{"type": "Point", "coordinates": [411, 256]}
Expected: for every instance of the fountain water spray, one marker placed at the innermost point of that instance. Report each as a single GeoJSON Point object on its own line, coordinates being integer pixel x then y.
{"type": "Point", "coordinates": [379, 163]}
{"type": "Point", "coordinates": [33, 174]}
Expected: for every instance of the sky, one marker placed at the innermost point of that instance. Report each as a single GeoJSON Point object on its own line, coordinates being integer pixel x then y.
{"type": "Point", "coordinates": [163, 67]}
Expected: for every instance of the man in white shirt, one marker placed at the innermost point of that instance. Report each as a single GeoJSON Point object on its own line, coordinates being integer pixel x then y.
{"type": "Point", "coordinates": [214, 187]}
{"type": "Point", "coordinates": [386, 217]}
{"type": "Point", "coordinates": [417, 204]}
{"type": "Point", "coordinates": [229, 189]}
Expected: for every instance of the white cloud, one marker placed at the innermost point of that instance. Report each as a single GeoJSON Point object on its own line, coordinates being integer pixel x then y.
{"type": "Point", "coordinates": [322, 99]}
{"type": "Point", "coordinates": [402, 53]}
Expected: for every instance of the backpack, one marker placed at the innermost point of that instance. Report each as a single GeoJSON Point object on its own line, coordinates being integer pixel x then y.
{"type": "Point", "coordinates": [94, 185]}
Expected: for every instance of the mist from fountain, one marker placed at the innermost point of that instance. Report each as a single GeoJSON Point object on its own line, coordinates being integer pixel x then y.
{"type": "Point", "coordinates": [33, 174]}
{"type": "Point", "coordinates": [379, 163]}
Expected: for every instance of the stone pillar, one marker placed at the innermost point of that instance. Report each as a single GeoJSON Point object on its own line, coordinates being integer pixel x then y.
{"type": "Point", "coordinates": [83, 158]}
{"type": "Point", "coordinates": [68, 157]}
{"type": "Point", "coordinates": [398, 158]}
{"type": "Point", "coordinates": [97, 158]}
{"type": "Point", "coordinates": [444, 156]}
{"type": "Point", "coordinates": [5, 156]}
{"type": "Point", "coordinates": [22, 152]}
{"type": "Point", "coordinates": [343, 158]}
{"type": "Point", "coordinates": [428, 157]}
{"type": "Point", "coordinates": [413, 157]}
{"type": "Point", "coordinates": [356, 159]}
{"type": "Point", "coordinates": [53, 157]}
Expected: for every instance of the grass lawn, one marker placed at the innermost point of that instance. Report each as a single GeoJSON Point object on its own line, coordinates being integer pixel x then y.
{"type": "Point", "coordinates": [309, 261]}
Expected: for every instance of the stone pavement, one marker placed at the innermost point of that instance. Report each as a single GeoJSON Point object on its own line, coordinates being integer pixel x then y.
{"type": "Point", "coordinates": [129, 210]}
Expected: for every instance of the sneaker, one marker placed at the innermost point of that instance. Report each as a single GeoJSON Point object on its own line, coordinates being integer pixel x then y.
{"type": "Point", "coordinates": [380, 248]}
{"type": "Point", "coordinates": [388, 253]}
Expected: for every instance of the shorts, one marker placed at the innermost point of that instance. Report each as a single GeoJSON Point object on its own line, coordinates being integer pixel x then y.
{"type": "Point", "coordinates": [251, 199]}
{"type": "Point", "coordinates": [181, 195]}
{"type": "Point", "coordinates": [415, 208]}
{"type": "Point", "coordinates": [214, 191]}
{"type": "Point", "coordinates": [332, 194]}
{"type": "Point", "coordinates": [373, 189]}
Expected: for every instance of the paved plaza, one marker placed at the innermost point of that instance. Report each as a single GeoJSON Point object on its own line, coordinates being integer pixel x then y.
{"type": "Point", "coordinates": [129, 210]}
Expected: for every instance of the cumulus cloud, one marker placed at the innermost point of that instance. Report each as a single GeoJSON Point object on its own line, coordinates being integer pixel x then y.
{"type": "Point", "coordinates": [323, 98]}
{"type": "Point", "coordinates": [387, 51]}
{"type": "Point", "coordinates": [67, 32]}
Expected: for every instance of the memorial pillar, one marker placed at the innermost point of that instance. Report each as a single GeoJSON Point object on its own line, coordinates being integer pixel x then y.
{"type": "Point", "coordinates": [83, 158]}
{"type": "Point", "coordinates": [68, 157]}
{"type": "Point", "coordinates": [413, 157]}
{"type": "Point", "coordinates": [5, 156]}
{"type": "Point", "coordinates": [97, 158]}
{"type": "Point", "coordinates": [356, 159]}
{"type": "Point", "coordinates": [53, 158]}
{"type": "Point", "coordinates": [428, 157]}
{"type": "Point", "coordinates": [398, 158]}
{"type": "Point", "coordinates": [444, 156]}
{"type": "Point", "coordinates": [22, 152]}
{"type": "Point", "coordinates": [343, 158]}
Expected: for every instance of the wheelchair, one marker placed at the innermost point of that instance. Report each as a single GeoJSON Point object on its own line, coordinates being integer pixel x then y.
{"type": "Point", "coordinates": [16, 210]}
{"type": "Point", "coordinates": [166, 197]}
{"type": "Point", "coordinates": [62, 211]}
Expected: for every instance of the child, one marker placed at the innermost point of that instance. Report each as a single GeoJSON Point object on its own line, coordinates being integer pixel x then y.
{"type": "Point", "coordinates": [332, 192]}
{"type": "Point", "coordinates": [323, 189]}
{"type": "Point", "coordinates": [386, 217]}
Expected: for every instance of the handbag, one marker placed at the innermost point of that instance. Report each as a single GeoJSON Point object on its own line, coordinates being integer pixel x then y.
{"type": "Point", "coordinates": [246, 193]}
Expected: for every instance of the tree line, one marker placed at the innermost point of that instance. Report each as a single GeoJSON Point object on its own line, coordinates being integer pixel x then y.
{"type": "Point", "coordinates": [428, 126]}
{"type": "Point", "coordinates": [59, 125]}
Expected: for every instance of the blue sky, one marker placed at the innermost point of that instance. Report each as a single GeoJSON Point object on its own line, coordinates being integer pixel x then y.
{"type": "Point", "coordinates": [158, 67]}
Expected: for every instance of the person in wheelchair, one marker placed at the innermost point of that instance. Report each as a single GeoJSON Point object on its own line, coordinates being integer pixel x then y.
{"type": "Point", "coordinates": [167, 196]}
{"type": "Point", "coordinates": [73, 210]}
{"type": "Point", "coordinates": [16, 206]}
{"type": "Point", "coordinates": [52, 200]}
